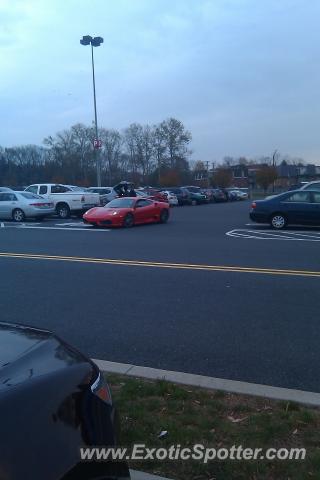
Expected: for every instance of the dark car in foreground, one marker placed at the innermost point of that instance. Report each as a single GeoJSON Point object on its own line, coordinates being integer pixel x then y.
{"type": "Point", "coordinates": [299, 207]}
{"type": "Point", "coordinates": [53, 400]}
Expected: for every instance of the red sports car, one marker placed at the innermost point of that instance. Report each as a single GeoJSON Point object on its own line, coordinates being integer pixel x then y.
{"type": "Point", "coordinates": [126, 212]}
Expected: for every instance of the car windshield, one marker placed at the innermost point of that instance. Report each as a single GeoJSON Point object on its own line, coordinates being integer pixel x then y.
{"type": "Point", "coordinates": [29, 195]}
{"type": "Point", "coordinates": [141, 194]}
{"type": "Point", "coordinates": [194, 189]}
{"type": "Point", "coordinates": [121, 203]}
{"type": "Point", "coordinates": [76, 189]}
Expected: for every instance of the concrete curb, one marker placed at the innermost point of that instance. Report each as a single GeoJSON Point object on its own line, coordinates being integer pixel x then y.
{"type": "Point", "coordinates": [232, 386]}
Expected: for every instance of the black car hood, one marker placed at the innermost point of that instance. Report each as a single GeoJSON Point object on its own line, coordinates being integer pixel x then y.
{"type": "Point", "coordinates": [27, 353]}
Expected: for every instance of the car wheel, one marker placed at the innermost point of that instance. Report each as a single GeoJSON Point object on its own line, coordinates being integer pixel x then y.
{"type": "Point", "coordinates": [63, 210]}
{"type": "Point", "coordinates": [164, 215]}
{"type": "Point", "coordinates": [18, 215]}
{"type": "Point", "coordinates": [278, 221]}
{"type": "Point", "coordinates": [128, 220]}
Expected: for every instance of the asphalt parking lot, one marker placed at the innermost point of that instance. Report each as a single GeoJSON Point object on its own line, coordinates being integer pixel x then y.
{"type": "Point", "coordinates": [208, 293]}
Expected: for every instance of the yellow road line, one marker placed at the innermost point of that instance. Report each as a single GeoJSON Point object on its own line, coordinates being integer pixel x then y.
{"type": "Point", "coordinates": [185, 266]}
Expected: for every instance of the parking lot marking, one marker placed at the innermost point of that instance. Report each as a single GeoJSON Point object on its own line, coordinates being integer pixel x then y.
{"type": "Point", "coordinates": [263, 235]}
{"type": "Point", "coordinates": [75, 224]}
{"type": "Point", "coordinates": [82, 229]}
{"type": "Point", "coordinates": [177, 266]}
{"type": "Point", "coordinates": [1, 225]}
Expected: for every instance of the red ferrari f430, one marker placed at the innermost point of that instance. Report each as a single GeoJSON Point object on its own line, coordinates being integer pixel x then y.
{"type": "Point", "coordinates": [126, 212]}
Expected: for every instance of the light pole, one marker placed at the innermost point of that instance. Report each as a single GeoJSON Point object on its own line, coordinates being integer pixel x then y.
{"type": "Point", "coordinates": [94, 42]}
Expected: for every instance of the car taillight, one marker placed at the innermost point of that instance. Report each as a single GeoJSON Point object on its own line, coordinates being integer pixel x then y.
{"type": "Point", "coordinates": [253, 205]}
{"type": "Point", "coordinates": [101, 389]}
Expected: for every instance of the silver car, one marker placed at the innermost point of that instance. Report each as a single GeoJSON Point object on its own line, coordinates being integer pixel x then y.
{"type": "Point", "coordinates": [106, 194]}
{"type": "Point", "coordinates": [21, 205]}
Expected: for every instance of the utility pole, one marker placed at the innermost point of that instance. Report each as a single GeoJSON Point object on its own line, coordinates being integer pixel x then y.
{"type": "Point", "coordinates": [274, 164]}
{"type": "Point", "coordinates": [207, 168]}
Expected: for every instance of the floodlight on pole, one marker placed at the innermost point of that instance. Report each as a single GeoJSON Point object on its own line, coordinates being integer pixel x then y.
{"type": "Point", "coordinates": [94, 42]}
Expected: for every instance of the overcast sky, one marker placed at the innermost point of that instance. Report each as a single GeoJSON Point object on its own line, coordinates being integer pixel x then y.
{"type": "Point", "coordinates": [242, 75]}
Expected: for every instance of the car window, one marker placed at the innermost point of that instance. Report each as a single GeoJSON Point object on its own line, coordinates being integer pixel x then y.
{"type": "Point", "coordinates": [143, 203]}
{"type": "Point", "coordinates": [194, 189]}
{"type": "Point", "coordinates": [59, 189]}
{"type": "Point", "coordinates": [43, 189]}
{"type": "Point", "coordinates": [120, 203]}
{"type": "Point", "coordinates": [74, 188]}
{"type": "Point", "coordinates": [313, 186]}
{"type": "Point", "coordinates": [301, 197]}
{"type": "Point", "coordinates": [7, 197]}
{"type": "Point", "coordinates": [29, 195]}
{"type": "Point", "coordinates": [316, 197]}
{"type": "Point", "coordinates": [33, 189]}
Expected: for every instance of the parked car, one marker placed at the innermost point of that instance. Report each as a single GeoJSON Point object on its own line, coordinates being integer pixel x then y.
{"type": "Point", "coordinates": [5, 189]}
{"type": "Point", "coordinates": [127, 211]}
{"type": "Point", "coordinates": [183, 196]}
{"type": "Point", "coordinates": [216, 195]}
{"type": "Point", "coordinates": [298, 207]}
{"type": "Point", "coordinates": [106, 193]}
{"type": "Point", "coordinates": [196, 195]}
{"type": "Point", "coordinates": [171, 198]}
{"type": "Point", "coordinates": [219, 195]}
{"type": "Point", "coordinates": [53, 401]}
{"type": "Point", "coordinates": [239, 194]}
{"type": "Point", "coordinates": [310, 186]}
{"type": "Point", "coordinates": [66, 201]}
{"type": "Point", "coordinates": [230, 194]}
{"type": "Point", "coordinates": [155, 194]}
{"type": "Point", "coordinates": [21, 205]}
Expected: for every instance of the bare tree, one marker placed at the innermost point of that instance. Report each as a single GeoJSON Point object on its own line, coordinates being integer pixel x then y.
{"type": "Point", "coordinates": [266, 176]}
{"type": "Point", "coordinates": [222, 177]}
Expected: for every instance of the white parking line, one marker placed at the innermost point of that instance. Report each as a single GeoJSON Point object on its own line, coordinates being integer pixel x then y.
{"type": "Point", "coordinates": [1, 225]}
{"type": "Point", "coordinates": [263, 235]}
{"type": "Point", "coordinates": [75, 224]}
{"type": "Point", "coordinates": [83, 229]}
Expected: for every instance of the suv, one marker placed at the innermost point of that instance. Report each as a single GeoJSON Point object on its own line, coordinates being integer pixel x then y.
{"type": "Point", "coordinates": [106, 193]}
{"type": "Point", "coordinates": [197, 196]}
{"type": "Point", "coordinates": [182, 194]}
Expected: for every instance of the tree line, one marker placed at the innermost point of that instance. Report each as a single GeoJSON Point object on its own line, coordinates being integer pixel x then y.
{"type": "Point", "coordinates": [143, 154]}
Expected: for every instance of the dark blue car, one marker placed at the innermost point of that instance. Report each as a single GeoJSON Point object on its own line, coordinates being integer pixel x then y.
{"type": "Point", "coordinates": [299, 207]}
